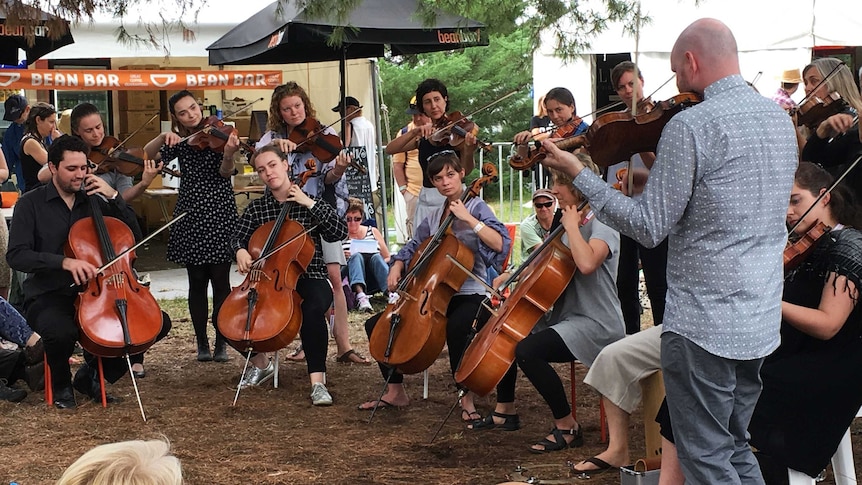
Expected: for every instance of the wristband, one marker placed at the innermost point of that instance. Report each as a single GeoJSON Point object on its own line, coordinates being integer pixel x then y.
{"type": "Point", "coordinates": [402, 188]}
{"type": "Point", "coordinates": [478, 227]}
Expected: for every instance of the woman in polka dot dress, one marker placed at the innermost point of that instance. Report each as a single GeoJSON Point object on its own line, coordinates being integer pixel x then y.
{"type": "Point", "coordinates": [200, 241]}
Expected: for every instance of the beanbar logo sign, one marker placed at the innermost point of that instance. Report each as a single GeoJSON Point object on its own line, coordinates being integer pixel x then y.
{"type": "Point", "coordinates": [460, 36]}
{"type": "Point", "coordinates": [131, 80]}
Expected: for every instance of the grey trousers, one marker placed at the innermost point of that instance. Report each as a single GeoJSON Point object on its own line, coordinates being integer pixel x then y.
{"type": "Point", "coordinates": [711, 400]}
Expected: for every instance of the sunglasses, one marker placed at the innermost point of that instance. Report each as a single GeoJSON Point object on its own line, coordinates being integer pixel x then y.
{"type": "Point", "coordinates": [543, 205]}
{"type": "Point", "coordinates": [353, 219]}
{"type": "Point", "coordinates": [440, 154]}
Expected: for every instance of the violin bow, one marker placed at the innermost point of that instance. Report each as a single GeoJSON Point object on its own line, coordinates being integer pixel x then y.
{"type": "Point", "coordinates": [821, 196]}
{"type": "Point", "coordinates": [483, 108]}
{"type": "Point", "coordinates": [156, 115]}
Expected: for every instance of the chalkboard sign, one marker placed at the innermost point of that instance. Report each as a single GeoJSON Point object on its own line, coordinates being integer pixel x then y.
{"type": "Point", "coordinates": [358, 183]}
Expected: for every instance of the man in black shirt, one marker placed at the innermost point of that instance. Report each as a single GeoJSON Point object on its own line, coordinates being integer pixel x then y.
{"type": "Point", "coordinates": [40, 229]}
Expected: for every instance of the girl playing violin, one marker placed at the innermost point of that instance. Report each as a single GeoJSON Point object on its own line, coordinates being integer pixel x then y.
{"type": "Point", "coordinates": [200, 240]}
{"type": "Point", "coordinates": [584, 320]}
{"type": "Point", "coordinates": [41, 124]}
{"type": "Point", "coordinates": [476, 227]}
{"type": "Point", "coordinates": [432, 100]}
{"type": "Point", "coordinates": [272, 166]}
{"type": "Point", "coordinates": [86, 124]}
{"type": "Point", "coordinates": [836, 142]}
{"type": "Point", "coordinates": [291, 113]}
{"type": "Point", "coordinates": [559, 106]}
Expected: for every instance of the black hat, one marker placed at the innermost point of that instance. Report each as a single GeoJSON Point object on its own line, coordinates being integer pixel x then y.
{"type": "Point", "coordinates": [15, 105]}
{"type": "Point", "coordinates": [351, 101]}
{"type": "Point", "coordinates": [412, 109]}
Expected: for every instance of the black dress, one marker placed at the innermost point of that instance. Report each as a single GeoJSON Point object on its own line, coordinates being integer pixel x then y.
{"type": "Point", "coordinates": [203, 236]}
{"type": "Point", "coordinates": [812, 388]}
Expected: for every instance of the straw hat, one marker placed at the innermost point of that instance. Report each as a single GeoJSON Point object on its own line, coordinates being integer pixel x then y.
{"type": "Point", "coordinates": [791, 76]}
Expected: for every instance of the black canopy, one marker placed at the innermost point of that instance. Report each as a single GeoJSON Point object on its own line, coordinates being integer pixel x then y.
{"type": "Point", "coordinates": [290, 36]}
{"type": "Point", "coordinates": [49, 33]}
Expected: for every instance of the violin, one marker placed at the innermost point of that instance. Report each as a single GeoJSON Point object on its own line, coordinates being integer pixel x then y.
{"type": "Point", "coordinates": [309, 136]}
{"type": "Point", "coordinates": [796, 252]}
{"type": "Point", "coordinates": [452, 130]}
{"type": "Point", "coordinates": [411, 331]}
{"type": "Point", "coordinates": [545, 275]}
{"type": "Point", "coordinates": [263, 314]}
{"type": "Point", "coordinates": [815, 110]}
{"type": "Point", "coordinates": [616, 137]}
{"type": "Point", "coordinates": [117, 315]}
{"type": "Point", "coordinates": [109, 155]}
{"type": "Point", "coordinates": [214, 135]}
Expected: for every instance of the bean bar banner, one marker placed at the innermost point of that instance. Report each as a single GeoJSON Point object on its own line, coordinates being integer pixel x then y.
{"type": "Point", "coordinates": [100, 80]}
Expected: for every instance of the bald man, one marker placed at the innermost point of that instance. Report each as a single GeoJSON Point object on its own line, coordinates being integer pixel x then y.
{"type": "Point", "coordinates": [719, 191]}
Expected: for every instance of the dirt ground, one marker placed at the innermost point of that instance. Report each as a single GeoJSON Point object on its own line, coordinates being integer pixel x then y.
{"type": "Point", "coordinates": [275, 436]}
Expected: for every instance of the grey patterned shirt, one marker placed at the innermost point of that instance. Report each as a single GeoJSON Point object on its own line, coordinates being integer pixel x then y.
{"type": "Point", "coordinates": [719, 191]}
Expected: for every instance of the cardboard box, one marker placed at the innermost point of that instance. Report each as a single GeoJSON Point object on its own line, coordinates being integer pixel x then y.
{"type": "Point", "coordinates": [139, 140]}
{"type": "Point", "coordinates": [133, 120]}
{"type": "Point", "coordinates": [151, 209]}
{"type": "Point", "coordinates": [241, 123]}
{"type": "Point", "coordinates": [139, 100]}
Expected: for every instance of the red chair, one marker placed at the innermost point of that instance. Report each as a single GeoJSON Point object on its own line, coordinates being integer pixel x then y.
{"type": "Point", "coordinates": [49, 389]}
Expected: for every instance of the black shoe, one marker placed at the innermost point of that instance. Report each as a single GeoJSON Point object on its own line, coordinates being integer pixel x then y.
{"type": "Point", "coordinates": [220, 352]}
{"type": "Point", "coordinates": [35, 353]}
{"type": "Point", "coordinates": [204, 354]}
{"type": "Point", "coordinates": [11, 394]}
{"type": "Point", "coordinates": [87, 382]}
{"type": "Point", "coordinates": [64, 398]}
{"type": "Point", "coordinates": [35, 376]}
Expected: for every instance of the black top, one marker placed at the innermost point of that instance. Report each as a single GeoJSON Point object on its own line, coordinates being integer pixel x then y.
{"type": "Point", "coordinates": [29, 166]}
{"type": "Point", "coordinates": [540, 122]}
{"type": "Point", "coordinates": [40, 229]}
{"type": "Point", "coordinates": [835, 155]}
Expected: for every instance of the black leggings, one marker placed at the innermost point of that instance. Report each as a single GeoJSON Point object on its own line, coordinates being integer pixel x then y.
{"type": "Point", "coordinates": [316, 300]}
{"type": "Point", "coordinates": [654, 264]}
{"type": "Point", "coordinates": [533, 355]}
{"type": "Point", "coordinates": [460, 314]}
{"type": "Point", "coordinates": [200, 276]}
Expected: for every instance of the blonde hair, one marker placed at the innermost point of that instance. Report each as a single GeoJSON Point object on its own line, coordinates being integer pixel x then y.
{"type": "Point", "coordinates": [125, 463]}
{"type": "Point", "coordinates": [562, 178]}
{"type": "Point", "coordinates": [542, 111]}
{"type": "Point", "coordinates": [842, 81]}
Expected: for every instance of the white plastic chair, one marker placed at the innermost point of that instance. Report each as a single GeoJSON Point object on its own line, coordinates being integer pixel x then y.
{"type": "Point", "coordinates": [842, 464]}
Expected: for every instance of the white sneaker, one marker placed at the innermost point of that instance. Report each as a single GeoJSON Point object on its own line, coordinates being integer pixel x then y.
{"type": "Point", "coordinates": [255, 376]}
{"type": "Point", "coordinates": [320, 395]}
{"type": "Point", "coordinates": [364, 303]}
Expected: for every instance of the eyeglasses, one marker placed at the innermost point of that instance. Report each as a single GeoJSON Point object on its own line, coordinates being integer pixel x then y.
{"type": "Point", "coordinates": [354, 219]}
{"type": "Point", "coordinates": [543, 205]}
{"type": "Point", "coordinates": [440, 154]}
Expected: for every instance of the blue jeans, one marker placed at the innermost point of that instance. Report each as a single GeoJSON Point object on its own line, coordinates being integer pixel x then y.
{"type": "Point", "coordinates": [13, 327]}
{"type": "Point", "coordinates": [371, 272]}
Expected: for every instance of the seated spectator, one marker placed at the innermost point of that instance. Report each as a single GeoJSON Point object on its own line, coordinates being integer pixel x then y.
{"type": "Point", "coordinates": [368, 270]}
{"type": "Point", "coordinates": [14, 362]}
{"type": "Point", "coordinates": [125, 463]}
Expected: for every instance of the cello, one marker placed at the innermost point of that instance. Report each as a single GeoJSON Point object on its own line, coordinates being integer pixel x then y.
{"type": "Point", "coordinates": [263, 313]}
{"type": "Point", "coordinates": [547, 272]}
{"type": "Point", "coordinates": [117, 315]}
{"type": "Point", "coordinates": [411, 331]}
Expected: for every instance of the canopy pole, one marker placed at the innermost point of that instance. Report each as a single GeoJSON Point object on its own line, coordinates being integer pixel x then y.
{"type": "Point", "coordinates": [381, 166]}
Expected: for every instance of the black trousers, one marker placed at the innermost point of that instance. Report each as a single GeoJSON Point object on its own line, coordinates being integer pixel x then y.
{"type": "Point", "coordinates": [654, 264]}
{"type": "Point", "coordinates": [534, 355]}
{"type": "Point", "coordinates": [460, 314]}
{"type": "Point", "coordinates": [200, 276]}
{"type": "Point", "coordinates": [314, 332]}
{"type": "Point", "coordinates": [53, 317]}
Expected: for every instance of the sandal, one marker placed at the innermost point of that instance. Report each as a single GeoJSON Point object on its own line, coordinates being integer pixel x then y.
{"type": "Point", "coordinates": [352, 357]}
{"type": "Point", "coordinates": [298, 355]}
{"type": "Point", "coordinates": [470, 419]}
{"type": "Point", "coordinates": [601, 467]}
{"type": "Point", "coordinates": [511, 422]}
{"type": "Point", "coordinates": [560, 442]}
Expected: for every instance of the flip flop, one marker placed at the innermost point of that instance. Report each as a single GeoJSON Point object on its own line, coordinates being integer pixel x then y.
{"type": "Point", "coordinates": [352, 357]}
{"type": "Point", "coordinates": [295, 355]}
{"type": "Point", "coordinates": [382, 404]}
{"type": "Point", "coordinates": [601, 467]}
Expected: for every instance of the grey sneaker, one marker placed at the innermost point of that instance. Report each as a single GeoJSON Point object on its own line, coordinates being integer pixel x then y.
{"type": "Point", "coordinates": [255, 376]}
{"type": "Point", "coordinates": [319, 395]}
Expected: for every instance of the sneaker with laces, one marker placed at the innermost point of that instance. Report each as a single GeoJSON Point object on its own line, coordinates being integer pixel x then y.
{"type": "Point", "coordinates": [256, 376]}
{"type": "Point", "coordinates": [17, 395]}
{"type": "Point", "coordinates": [320, 395]}
{"type": "Point", "coordinates": [364, 303]}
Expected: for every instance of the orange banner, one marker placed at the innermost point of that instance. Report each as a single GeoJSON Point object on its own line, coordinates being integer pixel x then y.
{"type": "Point", "coordinates": [101, 80]}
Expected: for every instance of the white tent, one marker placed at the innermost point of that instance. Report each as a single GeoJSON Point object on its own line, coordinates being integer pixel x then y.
{"type": "Point", "coordinates": [772, 36]}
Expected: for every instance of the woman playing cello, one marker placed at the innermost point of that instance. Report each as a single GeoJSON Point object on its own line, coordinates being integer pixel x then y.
{"type": "Point", "coordinates": [585, 319]}
{"type": "Point", "coordinates": [294, 130]}
{"type": "Point", "coordinates": [272, 167]}
{"type": "Point", "coordinates": [200, 240]}
{"type": "Point", "coordinates": [477, 228]}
